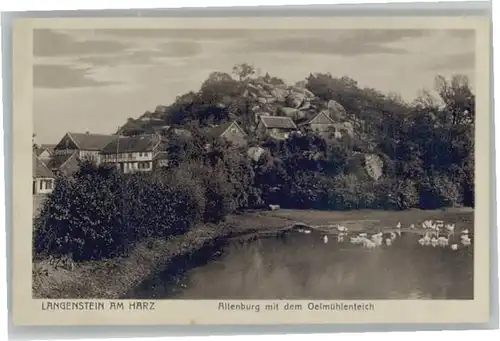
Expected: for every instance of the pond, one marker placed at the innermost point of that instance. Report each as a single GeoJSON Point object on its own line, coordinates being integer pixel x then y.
{"type": "Point", "coordinates": [303, 264]}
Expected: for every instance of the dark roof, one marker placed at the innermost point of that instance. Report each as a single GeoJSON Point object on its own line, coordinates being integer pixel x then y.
{"type": "Point", "coordinates": [130, 144]}
{"type": "Point", "coordinates": [322, 113]}
{"type": "Point", "coordinates": [86, 141]}
{"type": "Point", "coordinates": [58, 160]}
{"type": "Point", "coordinates": [49, 147]}
{"type": "Point", "coordinates": [217, 131]}
{"type": "Point", "coordinates": [281, 122]}
{"type": "Point", "coordinates": [161, 156]}
{"type": "Point", "coordinates": [43, 147]}
{"type": "Point", "coordinates": [40, 170]}
{"type": "Point", "coordinates": [37, 150]}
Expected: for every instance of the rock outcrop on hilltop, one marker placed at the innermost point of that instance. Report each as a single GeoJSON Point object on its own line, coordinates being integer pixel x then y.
{"type": "Point", "coordinates": [260, 96]}
{"type": "Point", "coordinates": [222, 98]}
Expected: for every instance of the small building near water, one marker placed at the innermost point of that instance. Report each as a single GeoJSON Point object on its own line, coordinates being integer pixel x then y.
{"type": "Point", "coordinates": [230, 131]}
{"type": "Point", "coordinates": [277, 127]}
{"type": "Point", "coordinates": [321, 123]}
{"type": "Point", "coordinates": [43, 178]}
{"type": "Point", "coordinates": [45, 152]}
{"type": "Point", "coordinates": [133, 153]}
{"type": "Point", "coordinates": [87, 146]}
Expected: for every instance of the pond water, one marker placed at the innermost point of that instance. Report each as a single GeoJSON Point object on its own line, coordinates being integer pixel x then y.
{"type": "Point", "coordinates": [295, 265]}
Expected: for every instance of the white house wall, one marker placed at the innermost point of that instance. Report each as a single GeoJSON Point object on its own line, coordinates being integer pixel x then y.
{"type": "Point", "coordinates": [43, 185]}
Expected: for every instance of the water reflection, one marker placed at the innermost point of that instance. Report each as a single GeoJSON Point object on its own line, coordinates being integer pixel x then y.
{"type": "Point", "coordinates": [309, 266]}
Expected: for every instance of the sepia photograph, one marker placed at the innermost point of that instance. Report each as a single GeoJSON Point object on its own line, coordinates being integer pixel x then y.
{"type": "Point", "coordinates": [194, 163]}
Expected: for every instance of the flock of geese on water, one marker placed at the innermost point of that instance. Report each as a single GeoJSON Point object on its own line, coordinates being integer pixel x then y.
{"type": "Point", "coordinates": [436, 234]}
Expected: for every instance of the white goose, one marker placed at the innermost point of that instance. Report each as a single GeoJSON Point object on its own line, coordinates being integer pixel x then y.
{"type": "Point", "coordinates": [466, 241]}
{"type": "Point", "coordinates": [342, 228]}
{"type": "Point", "coordinates": [434, 242]}
{"type": "Point", "coordinates": [369, 244]}
{"type": "Point", "coordinates": [450, 228]}
{"type": "Point", "coordinates": [356, 240]}
{"type": "Point", "coordinates": [442, 241]}
{"type": "Point", "coordinates": [325, 239]}
{"type": "Point", "coordinates": [427, 224]}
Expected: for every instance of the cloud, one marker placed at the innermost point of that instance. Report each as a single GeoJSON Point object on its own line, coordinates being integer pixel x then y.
{"type": "Point", "coordinates": [335, 42]}
{"type": "Point", "coordinates": [174, 49]}
{"type": "Point", "coordinates": [462, 33]}
{"type": "Point", "coordinates": [382, 36]}
{"type": "Point", "coordinates": [196, 34]}
{"type": "Point", "coordinates": [457, 62]}
{"type": "Point", "coordinates": [50, 43]}
{"type": "Point", "coordinates": [180, 49]}
{"type": "Point", "coordinates": [131, 57]}
{"type": "Point", "coordinates": [63, 77]}
{"type": "Point", "coordinates": [317, 46]}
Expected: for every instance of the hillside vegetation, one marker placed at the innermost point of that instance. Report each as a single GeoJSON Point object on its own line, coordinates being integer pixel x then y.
{"type": "Point", "coordinates": [420, 153]}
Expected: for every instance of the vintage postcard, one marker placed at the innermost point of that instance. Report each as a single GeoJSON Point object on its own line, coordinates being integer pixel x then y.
{"type": "Point", "coordinates": [251, 170]}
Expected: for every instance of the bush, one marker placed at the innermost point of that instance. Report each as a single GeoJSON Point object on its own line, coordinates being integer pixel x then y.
{"type": "Point", "coordinates": [397, 194]}
{"type": "Point", "coordinates": [351, 192]}
{"type": "Point", "coordinates": [439, 191]}
{"type": "Point", "coordinates": [82, 217]}
{"type": "Point", "coordinates": [101, 213]}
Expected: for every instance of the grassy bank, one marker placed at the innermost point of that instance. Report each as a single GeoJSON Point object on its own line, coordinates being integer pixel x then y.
{"type": "Point", "coordinates": [111, 279]}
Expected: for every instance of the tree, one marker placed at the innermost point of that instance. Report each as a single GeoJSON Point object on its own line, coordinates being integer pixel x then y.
{"type": "Point", "coordinates": [243, 71]}
{"type": "Point", "coordinates": [34, 146]}
{"type": "Point", "coordinates": [459, 101]}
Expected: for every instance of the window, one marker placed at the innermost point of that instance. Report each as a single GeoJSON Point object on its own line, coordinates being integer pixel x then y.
{"type": "Point", "coordinates": [41, 185]}
{"type": "Point", "coordinates": [144, 165]}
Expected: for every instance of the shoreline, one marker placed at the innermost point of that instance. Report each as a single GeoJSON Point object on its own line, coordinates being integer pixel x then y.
{"type": "Point", "coordinates": [114, 278]}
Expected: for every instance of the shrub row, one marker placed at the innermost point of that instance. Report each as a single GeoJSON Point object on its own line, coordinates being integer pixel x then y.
{"type": "Point", "coordinates": [102, 213]}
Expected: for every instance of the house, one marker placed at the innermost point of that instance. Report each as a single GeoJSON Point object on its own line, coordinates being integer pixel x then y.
{"type": "Point", "coordinates": [87, 146]}
{"type": "Point", "coordinates": [45, 152]}
{"type": "Point", "coordinates": [321, 123]}
{"type": "Point", "coordinates": [231, 131]}
{"type": "Point", "coordinates": [43, 178]}
{"type": "Point", "coordinates": [64, 164]}
{"type": "Point", "coordinates": [278, 127]}
{"type": "Point", "coordinates": [133, 153]}
{"type": "Point", "coordinates": [161, 159]}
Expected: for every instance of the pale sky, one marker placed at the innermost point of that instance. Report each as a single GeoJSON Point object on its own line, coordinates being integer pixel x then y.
{"type": "Point", "coordinates": [95, 79]}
